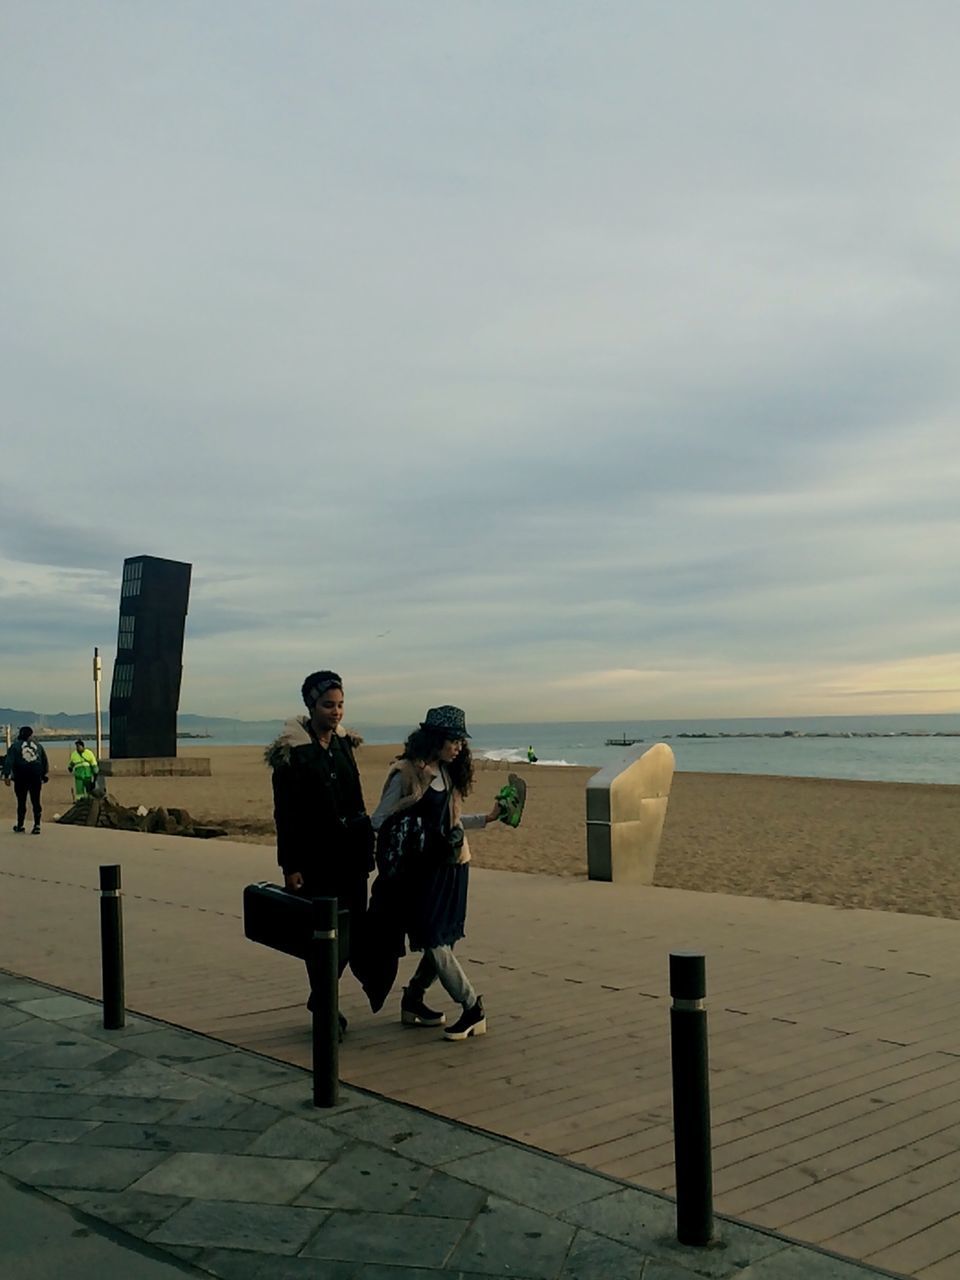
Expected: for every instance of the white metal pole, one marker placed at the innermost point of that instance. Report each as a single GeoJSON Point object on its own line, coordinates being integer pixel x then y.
{"type": "Point", "coordinates": [96, 700]}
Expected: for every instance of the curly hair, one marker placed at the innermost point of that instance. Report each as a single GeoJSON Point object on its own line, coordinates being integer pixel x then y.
{"type": "Point", "coordinates": [425, 745]}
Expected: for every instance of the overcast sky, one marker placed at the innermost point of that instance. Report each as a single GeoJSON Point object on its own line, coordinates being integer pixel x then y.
{"type": "Point", "coordinates": [563, 360]}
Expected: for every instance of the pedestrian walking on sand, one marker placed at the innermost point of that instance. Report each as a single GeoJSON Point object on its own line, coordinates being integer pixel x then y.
{"type": "Point", "coordinates": [26, 764]}
{"type": "Point", "coordinates": [423, 864]}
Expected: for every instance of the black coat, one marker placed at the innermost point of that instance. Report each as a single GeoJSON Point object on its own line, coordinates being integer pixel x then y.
{"type": "Point", "coordinates": [323, 831]}
{"type": "Point", "coordinates": [21, 770]}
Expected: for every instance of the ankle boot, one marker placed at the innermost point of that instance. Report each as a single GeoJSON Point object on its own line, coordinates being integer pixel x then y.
{"type": "Point", "coordinates": [472, 1022]}
{"type": "Point", "coordinates": [414, 1013]}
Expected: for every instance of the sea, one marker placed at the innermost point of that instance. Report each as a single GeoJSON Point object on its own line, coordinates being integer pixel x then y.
{"type": "Point", "coordinates": [896, 748]}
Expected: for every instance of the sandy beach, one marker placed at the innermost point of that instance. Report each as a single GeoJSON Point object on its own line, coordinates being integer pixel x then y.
{"type": "Point", "coordinates": [879, 845]}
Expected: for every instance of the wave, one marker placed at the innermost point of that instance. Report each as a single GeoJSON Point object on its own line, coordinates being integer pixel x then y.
{"type": "Point", "coordinates": [513, 755]}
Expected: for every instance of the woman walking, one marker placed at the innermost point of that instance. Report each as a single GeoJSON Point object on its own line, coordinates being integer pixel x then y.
{"type": "Point", "coordinates": [324, 841]}
{"type": "Point", "coordinates": [423, 863]}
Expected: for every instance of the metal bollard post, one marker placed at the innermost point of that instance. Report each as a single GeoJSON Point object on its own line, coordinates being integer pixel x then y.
{"type": "Point", "coordinates": [111, 948]}
{"type": "Point", "coordinates": [691, 1098]}
{"type": "Point", "coordinates": [325, 985]}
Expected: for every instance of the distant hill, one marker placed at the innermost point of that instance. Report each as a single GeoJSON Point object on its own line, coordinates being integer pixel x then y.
{"type": "Point", "coordinates": [85, 721]}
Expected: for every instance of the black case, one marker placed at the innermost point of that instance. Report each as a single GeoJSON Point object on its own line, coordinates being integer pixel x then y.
{"type": "Point", "coordinates": [284, 921]}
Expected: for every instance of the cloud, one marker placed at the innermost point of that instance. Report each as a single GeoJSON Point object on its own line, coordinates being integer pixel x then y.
{"type": "Point", "coordinates": [549, 341]}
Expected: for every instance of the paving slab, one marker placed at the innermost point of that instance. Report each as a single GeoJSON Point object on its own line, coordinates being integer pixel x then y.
{"type": "Point", "coordinates": [239, 1071]}
{"type": "Point", "coordinates": [365, 1177]}
{"type": "Point", "coordinates": [235, 1264]}
{"type": "Point", "coordinates": [252, 1179]}
{"type": "Point", "coordinates": [54, 1007]}
{"type": "Point", "coordinates": [62, 1164]}
{"type": "Point", "coordinates": [596, 1258]}
{"type": "Point", "coordinates": [43, 1104]}
{"type": "Point", "coordinates": [46, 1080]}
{"type": "Point", "coordinates": [130, 1110]}
{"type": "Point", "coordinates": [414, 1134]}
{"type": "Point", "coordinates": [146, 1079]}
{"type": "Point", "coordinates": [385, 1238]}
{"type": "Point", "coordinates": [291, 1136]}
{"type": "Point", "coordinates": [168, 1137]}
{"type": "Point", "coordinates": [217, 1108]}
{"type": "Point", "coordinates": [266, 1228]}
{"type": "Point", "coordinates": [217, 1157]}
{"type": "Point", "coordinates": [135, 1211]}
{"type": "Point", "coordinates": [169, 1045]}
{"type": "Point", "coordinates": [512, 1239]}
{"type": "Point", "coordinates": [65, 1053]}
{"type": "Point", "coordinates": [529, 1178]}
{"type": "Point", "coordinates": [446, 1197]}
{"type": "Point", "coordinates": [630, 1216]}
{"type": "Point", "coordinates": [43, 1240]}
{"type": "Point", "coordinates": [47, 1129]}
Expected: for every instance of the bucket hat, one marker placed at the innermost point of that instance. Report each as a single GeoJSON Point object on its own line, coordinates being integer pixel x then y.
{"type": "Point", "coordinates": [450, 720]}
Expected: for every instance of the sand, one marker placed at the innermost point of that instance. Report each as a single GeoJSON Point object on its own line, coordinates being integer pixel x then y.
{"type": "Point", "coordinates": [880, 845]}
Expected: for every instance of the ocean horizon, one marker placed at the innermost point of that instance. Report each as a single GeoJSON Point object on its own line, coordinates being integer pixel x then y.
{"type": "Point", "coordinates": [894, 748]}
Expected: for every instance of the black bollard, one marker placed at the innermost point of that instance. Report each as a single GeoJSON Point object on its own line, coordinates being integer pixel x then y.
{"type": "Point", "coordinates": [691, 1098]}
{"type": "Point", "coordinates": [326, 1013]}
{"type": "Point", "coordinates": [111, 948]}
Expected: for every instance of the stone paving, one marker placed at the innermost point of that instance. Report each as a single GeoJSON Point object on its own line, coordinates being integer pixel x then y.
{"type": "Point", "coordinates": [216, 1159]}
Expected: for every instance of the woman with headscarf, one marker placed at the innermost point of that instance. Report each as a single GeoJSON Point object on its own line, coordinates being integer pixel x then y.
{"type": "Point", "coordinates": [324, 839]}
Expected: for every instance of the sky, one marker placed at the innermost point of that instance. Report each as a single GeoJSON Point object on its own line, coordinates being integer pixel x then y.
{"type": "Point", "coordinates": [557, 360]}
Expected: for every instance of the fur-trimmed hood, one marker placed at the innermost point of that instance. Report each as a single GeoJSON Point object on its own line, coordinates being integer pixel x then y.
{"type": "Point", "coordinates": [414, 781]}
{"type": "Point", "coordinates": [295, 733]}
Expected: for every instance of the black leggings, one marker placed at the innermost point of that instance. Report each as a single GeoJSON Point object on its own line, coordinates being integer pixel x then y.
{"type": "Point", "coordinates": [24, 787]}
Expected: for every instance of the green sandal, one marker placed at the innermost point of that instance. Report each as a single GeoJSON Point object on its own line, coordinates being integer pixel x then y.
{"type": "Point", "coordinates": [511, 800]}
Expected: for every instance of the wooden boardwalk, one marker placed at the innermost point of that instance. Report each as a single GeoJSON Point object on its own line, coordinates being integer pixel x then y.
{"type": "Point", "coordinates": [834, 1035]}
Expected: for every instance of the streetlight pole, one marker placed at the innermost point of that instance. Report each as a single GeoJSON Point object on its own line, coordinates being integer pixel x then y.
{"type": "Point", "coordinates": [96, 700]}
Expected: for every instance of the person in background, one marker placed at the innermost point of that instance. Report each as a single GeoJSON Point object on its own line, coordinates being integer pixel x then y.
{"type": "Point", "coordinates": [531, 755]}
{"type": "Point", "coordinates": [324, 838]}
{"type": "Point", "coordinates": [26, 764]}
{"type": "Point", "coordinates": [426, 891]}
{"type": "Point", "coordinates": [83, 765]}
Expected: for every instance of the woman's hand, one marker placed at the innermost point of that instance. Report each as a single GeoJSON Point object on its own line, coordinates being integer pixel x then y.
{"type": "Point", "coordinates": [494, 813]}
{"type": "Point", "coordinates": [293, 880]}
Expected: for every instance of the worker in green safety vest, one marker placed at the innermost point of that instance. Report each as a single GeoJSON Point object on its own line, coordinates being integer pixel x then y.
{"type": "Point", "coordinates": [83, 765]}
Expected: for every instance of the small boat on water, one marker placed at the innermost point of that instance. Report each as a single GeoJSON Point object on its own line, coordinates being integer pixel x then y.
{"type": "Point", "coordinates": [622, 742]}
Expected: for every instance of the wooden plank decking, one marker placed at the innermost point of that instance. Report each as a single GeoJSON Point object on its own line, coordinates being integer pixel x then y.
{"type": "Point", "coordinates": [834, 1035]}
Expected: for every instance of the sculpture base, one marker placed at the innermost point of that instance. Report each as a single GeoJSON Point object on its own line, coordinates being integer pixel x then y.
{"type": "Point", "coordinates": [157, 767]}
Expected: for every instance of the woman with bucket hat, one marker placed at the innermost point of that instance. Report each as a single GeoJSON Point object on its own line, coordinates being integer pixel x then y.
{"type": "Point", "coordinates": [423, 863]}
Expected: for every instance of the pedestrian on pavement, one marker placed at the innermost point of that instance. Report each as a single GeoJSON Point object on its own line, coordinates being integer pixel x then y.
{"type": "Point", "coordinates": [83, 765]}
{"type": "Point", "coordinates": [324, 837]}
{"type": "Point", "coordinates": [26, 764]}
{"type": "Point", "coordinates": [423, 864]}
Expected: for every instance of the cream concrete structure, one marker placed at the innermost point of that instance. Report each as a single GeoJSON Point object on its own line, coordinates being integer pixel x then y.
{"type": "Point", "coordinates": [626, 809]}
